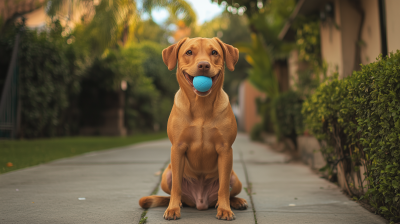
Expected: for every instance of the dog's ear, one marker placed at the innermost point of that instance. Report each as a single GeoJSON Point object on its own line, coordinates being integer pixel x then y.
{"type": "Point", "coordinates": [170, 54]}
{"type": "Point", "coordinates": [231, 54]}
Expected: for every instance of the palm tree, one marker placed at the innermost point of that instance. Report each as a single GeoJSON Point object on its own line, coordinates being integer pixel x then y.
{"type": "Point", "coordinates": [261, 74]}
{"type": "Point", "coordinates": [114, 20]}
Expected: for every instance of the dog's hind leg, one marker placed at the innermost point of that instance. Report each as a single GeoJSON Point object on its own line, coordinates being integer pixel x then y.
{"type": "Point", "coordinates": [238, 203]}
{"type": "Point", "coordinates": [166, 185]}
{"type": "Point", "coordinates": [166, 180]}
{"type": "Point", "coordinates": [235, 202]}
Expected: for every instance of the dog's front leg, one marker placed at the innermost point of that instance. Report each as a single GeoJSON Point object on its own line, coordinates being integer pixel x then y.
{"type": "Point", "coordinates": [225, 160]}
{"type": "Point", "coordinates": [177, 163]}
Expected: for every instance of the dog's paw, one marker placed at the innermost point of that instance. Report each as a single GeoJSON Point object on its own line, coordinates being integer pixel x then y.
{"type": "Point", "coordinates": [172, 213]}
{"type": "Point", "coordinates": [225, 214]}
{"type": "Point", "coordinates": [238, 203]}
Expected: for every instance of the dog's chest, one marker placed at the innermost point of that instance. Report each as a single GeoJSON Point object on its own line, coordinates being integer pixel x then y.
{"type": "Point", "coordinates": [202, 142]}
{"type": "Point", "coordinates": [202, 156]}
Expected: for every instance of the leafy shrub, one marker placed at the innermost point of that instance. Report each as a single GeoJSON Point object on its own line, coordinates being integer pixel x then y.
{"type": "Point", "coordinates": [312, 70]}
{"type": "Point", "coordinates": [151, 87]}
{"type": "Point", "coordinates": [374, 98]}
{"type": "Point", "coordinates": [289, 120]}
{"type": "Point", "coordinates": [64, 88]}
{"type": "Point", "coordinates": [255, 133]}
{"type": "Point", "coordinates": [264, 110]}
{"type": "Point", "coordinates": [359, 118]}
{"type": "Point", "coordinates": [321, 113]}
{"type": "Point", "coordinates": [308, 40]}
{"type": "Point", "coordinates": [163, 79]}
{"type": "Point", "coordinates": [49, 78]}
{"type": "Point", "coordinates": [282, 115]}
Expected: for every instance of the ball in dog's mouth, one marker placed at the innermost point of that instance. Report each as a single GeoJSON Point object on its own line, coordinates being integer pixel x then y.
{"type": "Point", "coordinates": [190, 78]}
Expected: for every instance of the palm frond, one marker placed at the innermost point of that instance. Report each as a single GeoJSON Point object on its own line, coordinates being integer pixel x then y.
{"type": "Point", "coordinates": [111, 17]}
{"type": "Point", "coordinates": [178, 8]}
{"type": "Point", "coordinates": [55, 7]}
{"type": "Point", "coordinates": [261, 74]}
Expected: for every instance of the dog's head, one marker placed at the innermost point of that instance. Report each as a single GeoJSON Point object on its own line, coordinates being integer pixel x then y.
{"type": "Point", "coordinates": [200, 57]}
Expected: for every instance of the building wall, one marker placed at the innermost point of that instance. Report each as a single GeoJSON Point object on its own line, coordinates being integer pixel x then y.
{"type": "Point", "coordinates": [350, 25]}
{"type": "Point", "coordinates": [9, 8]}
{"type": "Point", "coordinates": [36, 18]}
{"type": "Point", "coordinates": [371, 34]}
{"type": "Point", "coordinates": [393, 25]}
{"type": "Point", "coordinates": [248, 115]}
{"type": "Point", "coordinates": [338, 43]}
{"type": "Point", "coordinates": [34, 12]}
{"type": "Point", "coordinates": [331, 41]}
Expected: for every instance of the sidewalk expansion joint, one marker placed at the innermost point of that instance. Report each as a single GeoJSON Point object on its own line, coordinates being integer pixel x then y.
{"type": "Point", "coordinates": [143, 217]}
{"type": "Point", "coordinates": [103, 163]}
{"type": "Point", "coordinates": [249, 186]}
{"type": "Point", "coordinates": [265, 163]}
{"type": "Point", "coordinates": [326, 213]}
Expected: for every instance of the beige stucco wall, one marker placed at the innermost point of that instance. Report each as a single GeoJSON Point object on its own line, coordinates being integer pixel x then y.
{"type": "Point", "coordinates": [309, 150]}
{"type": "Point", "coordinates": [331, 42]}
{"type": "Point", "coordinates": [393, 24]}
{"type": "Point", "coordinates": [350, 25]}
{"type": "Point", "coordinates": [36, 18]}
{"type": "Point", "coordinates": [338, 44]}
{"type": "Point", "coordinates": [371, 33]}
{"type": "Point", "coordinates": [247, 96]}
{"type": "Point", "coordinates": [9, 8]}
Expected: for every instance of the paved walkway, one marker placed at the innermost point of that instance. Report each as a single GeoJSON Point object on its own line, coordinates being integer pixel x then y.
{"type": "Point", "coordinates": [111, 183]}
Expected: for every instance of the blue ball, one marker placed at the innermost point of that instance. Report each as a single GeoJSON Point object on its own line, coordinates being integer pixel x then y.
{"type": "Point", "coordinates": [202, 83]}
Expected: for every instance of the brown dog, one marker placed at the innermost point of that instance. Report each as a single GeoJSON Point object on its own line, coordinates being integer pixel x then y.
{"type": "Point", "coordinates": [202, 129]}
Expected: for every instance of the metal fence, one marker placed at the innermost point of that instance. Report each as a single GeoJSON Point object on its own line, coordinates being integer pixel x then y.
{"type": "Point", "coordinates": [9, 109]}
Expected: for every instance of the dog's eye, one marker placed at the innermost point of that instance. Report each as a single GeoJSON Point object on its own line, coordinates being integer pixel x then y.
{"type": "Point", "coordinates": [189, 52]}
{"type": "Point", "coordinates": [214, 52]}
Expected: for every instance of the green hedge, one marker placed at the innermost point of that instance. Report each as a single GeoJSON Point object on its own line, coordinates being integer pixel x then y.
{"type": "Point", "coordinates": [63, 87]}
{"type": "Point", "coordinates": [289, 120]}
{"type": "Point", "coordinates": [150, 92]}
{"type": "Point", "coordinates": [281, 116]}
{"type": "Point", "coordinates": [255, 132]}
{"type": "Point", "coordinates": [321, 112]}
{"type": "Point", "coordinates": [49, 80]}
{"type": "Point", "coordinates": [358, 118]}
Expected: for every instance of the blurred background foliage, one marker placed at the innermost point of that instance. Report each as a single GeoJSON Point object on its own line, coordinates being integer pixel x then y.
{"type": "Point", "coordinates": [265, 21]}
{"type": "Point", "coordinates": [150, 88]}
{"type": "Point", "coordinates": [109, 22]}
{"type": "Point", "coordinates": [64, 87]}
{"type": "Point", "coordinates": [308, 46]}
{"type": "Point", "coordinates": [114, 44]}
{"type": "Point", "coordinates": [72, 75]}
{"type": "Point", "coordinates": [49, 80]}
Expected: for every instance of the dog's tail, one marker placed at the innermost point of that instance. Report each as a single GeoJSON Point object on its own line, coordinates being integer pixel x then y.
{"type": "Point", "coordinates": [153, 201]}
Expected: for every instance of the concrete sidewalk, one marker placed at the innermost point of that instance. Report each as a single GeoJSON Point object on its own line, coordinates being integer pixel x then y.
{"type": "Point", "coordinates": [112, 182]}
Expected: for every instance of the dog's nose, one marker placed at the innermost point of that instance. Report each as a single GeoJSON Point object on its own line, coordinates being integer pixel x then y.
{"type": "Point", "coordinates": [203, 66]}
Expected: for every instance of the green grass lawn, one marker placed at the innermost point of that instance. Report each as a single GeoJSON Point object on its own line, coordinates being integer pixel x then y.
{"type": "Point", "coordinates": [25, 153]}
